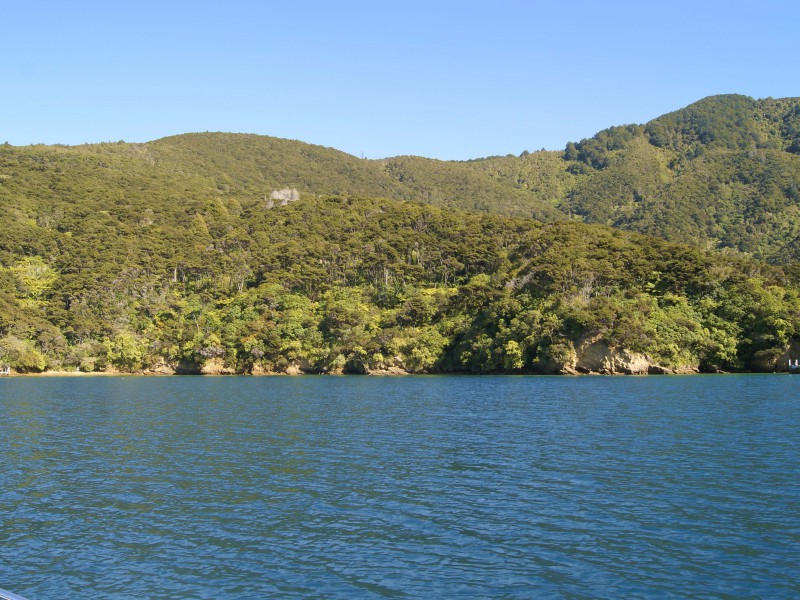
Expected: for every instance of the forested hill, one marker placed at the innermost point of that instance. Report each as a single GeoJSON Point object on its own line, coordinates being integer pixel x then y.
{"type": "Point", "coordinates": [243, 253]}
{"type": "Point", "coordinates": [171, 281]}
{"type": "Point", "coordinates": [723, 173]}
{"type": "Point", "coordinates": [254, 165]}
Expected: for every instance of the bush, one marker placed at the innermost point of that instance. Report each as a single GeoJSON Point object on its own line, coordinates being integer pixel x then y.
{"type": "Point", "coordinates": [21, 356]}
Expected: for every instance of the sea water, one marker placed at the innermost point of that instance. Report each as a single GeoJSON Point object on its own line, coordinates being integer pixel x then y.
{"type": "Point", "coordinates": [425, 487]}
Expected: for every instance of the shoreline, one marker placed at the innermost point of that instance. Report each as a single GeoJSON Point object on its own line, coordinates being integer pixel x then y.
{"type": "Point", "coordinates": [394, 373]}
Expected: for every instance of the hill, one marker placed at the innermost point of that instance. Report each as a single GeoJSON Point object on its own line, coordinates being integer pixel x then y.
{"type": "Point", "coordinates": [180, 254]}
{"type": "Point", "coordinates": [253, 165]}
{"type": "Point", "coordinates": [722, 173]}
{"type": "Point", "coordinates": [178, 283]}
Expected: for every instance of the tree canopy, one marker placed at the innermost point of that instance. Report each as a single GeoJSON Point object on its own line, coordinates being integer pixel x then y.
{"type": "Point", "coordinates": [173, 255]}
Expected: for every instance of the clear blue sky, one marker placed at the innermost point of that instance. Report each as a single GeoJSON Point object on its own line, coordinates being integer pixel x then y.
{"type": "Point", "coordinates": [451, 80]}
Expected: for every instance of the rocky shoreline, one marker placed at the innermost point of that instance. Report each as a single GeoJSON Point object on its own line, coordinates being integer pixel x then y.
{"type": "Point", "coordinates": [592, 356]}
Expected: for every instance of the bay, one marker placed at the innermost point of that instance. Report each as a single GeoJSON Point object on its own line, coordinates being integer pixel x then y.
{"type": "Point", "coordinates": [373, 487]}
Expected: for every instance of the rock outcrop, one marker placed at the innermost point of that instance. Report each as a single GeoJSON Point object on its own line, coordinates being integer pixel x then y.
{"type": "Point", "coordinates": [216, 366]}
{"type": "Point", "coordinates": [777, 361]}
{"type": "Point", "coordinates": [594, 355]}
{"type": "Point", "coordinates": [283, 197]}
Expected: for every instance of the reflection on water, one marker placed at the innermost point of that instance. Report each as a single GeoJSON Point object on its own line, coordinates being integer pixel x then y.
{"type": "Point", "coordinates": [347, 487]}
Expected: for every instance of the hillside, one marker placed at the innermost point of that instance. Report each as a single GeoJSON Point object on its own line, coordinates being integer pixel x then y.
{"type": "Point", "coordinates": [331, 284]}
{"type": "Point", "coordinates": [252, 165]}
{"type": "Point", "coordinates": [722, 173]}
{"type": "Point", "coordinates": [174, 255]}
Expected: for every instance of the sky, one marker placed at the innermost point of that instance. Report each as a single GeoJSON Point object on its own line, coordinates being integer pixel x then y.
{"type": "Point", "coordinates": [449, 80]}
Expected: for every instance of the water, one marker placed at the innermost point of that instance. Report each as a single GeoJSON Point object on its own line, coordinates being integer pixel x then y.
{"type": "Point", "coordinates": [369, 487]}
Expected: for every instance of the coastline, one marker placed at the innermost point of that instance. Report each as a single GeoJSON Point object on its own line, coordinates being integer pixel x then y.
{"type": "Point", "coordinates": [382, 373]}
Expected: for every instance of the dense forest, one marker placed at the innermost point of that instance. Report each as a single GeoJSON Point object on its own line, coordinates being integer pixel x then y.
{"type": "Point", "coordinates": [231, 253]}
{"type": "Point", "coordinates": [723, 173]}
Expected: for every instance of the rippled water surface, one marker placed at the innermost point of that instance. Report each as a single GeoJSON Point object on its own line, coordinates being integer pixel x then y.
{"type": "Point", "coordinates": [361, 487]}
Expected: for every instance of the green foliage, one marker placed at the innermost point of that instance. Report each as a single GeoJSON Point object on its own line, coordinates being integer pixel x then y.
{"type": "Point", "coordinates": [730, 121]}
{"type": "Point", "coordinates": [125, 351]}
{"type": "Point", "coordinates": [170, 255]}
{"type": "Point", "coordinates": [421, 347]}
{"type": "Point", "coordinates": [720, 173]}
{"type": "Point", "coordinates": [598, 151]}
{"type": "Point", "coordinates": [34, 277]}
{"type": "Point", "coordinates": [20, 355]}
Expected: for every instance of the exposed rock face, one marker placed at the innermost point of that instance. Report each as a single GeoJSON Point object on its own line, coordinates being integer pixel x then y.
{"type": "Point", "coordinates": [258, 369]}
{"type": "Point", "coordinates": [594, 355]}
{"type": "Point", "coordinates": [216, 366]}
{"type": "Point", "coordinates": [392, 366]}
{"type": "Point", "coordinates": [300, 366]}
{"type": "Point", "coordinates": [779, 362]}
{"type": "Point", "coordinates": [162, 368]}
{"type": "Point", "coordinates": [283, 197]}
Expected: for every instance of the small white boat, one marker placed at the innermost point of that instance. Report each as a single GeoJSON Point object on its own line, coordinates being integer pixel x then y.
{"type": "Point", "coordinates": [4, 595]}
